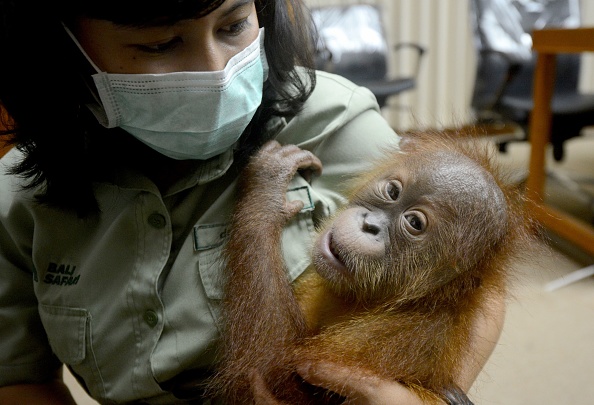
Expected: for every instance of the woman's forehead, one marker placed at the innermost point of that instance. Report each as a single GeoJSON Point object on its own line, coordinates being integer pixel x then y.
{"type": "Point", "coordinates": [144, 12]}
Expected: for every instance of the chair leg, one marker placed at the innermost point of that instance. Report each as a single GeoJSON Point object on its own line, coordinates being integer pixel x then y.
{"type": "Point", "coordinates": [558, 152]}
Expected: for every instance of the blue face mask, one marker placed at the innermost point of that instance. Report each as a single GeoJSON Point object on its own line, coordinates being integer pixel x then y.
{"type": "Point", "coordinates": [185, 115]}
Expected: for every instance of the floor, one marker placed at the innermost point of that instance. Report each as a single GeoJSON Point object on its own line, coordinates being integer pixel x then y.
{"type": "Point", "coordinates": [545, 355]}
{"type": "Point", "coordinates": [546, 352]}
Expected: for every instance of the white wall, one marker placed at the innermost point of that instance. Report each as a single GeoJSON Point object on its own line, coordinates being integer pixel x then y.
{"type": "Point", "coordinates": [442, 97]}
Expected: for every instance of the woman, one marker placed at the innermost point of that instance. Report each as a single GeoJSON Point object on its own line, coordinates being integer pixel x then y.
{"type": "Point", "coordinates": [131, 120]}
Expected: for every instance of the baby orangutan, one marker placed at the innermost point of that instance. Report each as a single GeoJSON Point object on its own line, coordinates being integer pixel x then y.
{"type": "Point", "coordinates": [398, 276]}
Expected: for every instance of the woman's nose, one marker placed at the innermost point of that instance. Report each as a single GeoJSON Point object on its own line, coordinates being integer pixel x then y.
{"type": "Point", "coordinates": [213, 60]}
{"type": "Point", "coordinates": [206, 58]}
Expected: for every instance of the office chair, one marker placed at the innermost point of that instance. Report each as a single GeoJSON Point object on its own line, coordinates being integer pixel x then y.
{"type": "Point", "coordinates": [505, 67]}
{"type": "Point", "coordinates": [352, 43]}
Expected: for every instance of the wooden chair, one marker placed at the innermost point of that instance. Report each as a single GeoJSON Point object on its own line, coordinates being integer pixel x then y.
{"type": "Point", "coordinates": [548, 43]}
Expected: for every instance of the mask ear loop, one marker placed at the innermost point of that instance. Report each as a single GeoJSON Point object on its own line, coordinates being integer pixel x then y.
{"type": "Point", "coordinates": [79, 46]}
{"type": "Point", "coordinates": [91, 88]}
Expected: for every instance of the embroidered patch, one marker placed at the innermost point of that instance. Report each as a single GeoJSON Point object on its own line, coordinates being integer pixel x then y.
{"type": "Point", "coordinates": [61, 274]}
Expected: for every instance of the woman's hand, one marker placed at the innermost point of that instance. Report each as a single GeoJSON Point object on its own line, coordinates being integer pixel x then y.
{"type": "Point", "coordinates": [358, 386]}
{"type": "Point", "coordinates": [363, 388]}
{"type": "Point", "coordinates": [54, 392]}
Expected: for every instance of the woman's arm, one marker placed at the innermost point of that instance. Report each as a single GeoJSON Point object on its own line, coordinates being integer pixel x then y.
{"type": "Point", "coordinates": [487, 330]}
{"type": "Point", "coordinates": [54, 392]}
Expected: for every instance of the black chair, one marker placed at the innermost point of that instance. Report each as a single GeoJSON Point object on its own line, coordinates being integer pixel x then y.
{"type": "Point", "coordinates": [352, 43]}
{"type": "Point", "coordinates": [505, 69]}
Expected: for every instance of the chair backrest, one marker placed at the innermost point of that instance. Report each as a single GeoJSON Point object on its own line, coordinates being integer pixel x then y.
{"type": "Point", "coordinates": [502, 33]}
{"type": "Point", "coordinates": [351, 41]}
{"type": "Point", "coordinates": [505, 25]}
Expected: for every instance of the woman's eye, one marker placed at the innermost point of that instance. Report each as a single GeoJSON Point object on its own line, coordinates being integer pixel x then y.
{"type": "Point", "coordinates": [236, 28]}
{"type": "Point", "coordinates": [392, 190]}
{"type": "Point", "coordinates": [415, 222]}
{"type": "Point", "coordinates": [161, 47]}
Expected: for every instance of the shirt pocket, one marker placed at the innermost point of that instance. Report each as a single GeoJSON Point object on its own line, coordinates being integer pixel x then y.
{"type": "Point", "coordinates": [68, 331]}
{"type": "Point", "coordinates": [210, 240]}
{"type": "Point", "coordinates": [298, 233]}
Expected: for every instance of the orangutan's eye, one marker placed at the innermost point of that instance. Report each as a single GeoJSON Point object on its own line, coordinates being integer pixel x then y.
{"type": "Point", "coordinates": [392, 190]}
{"type": "Point", "coordinates": [415, 222]}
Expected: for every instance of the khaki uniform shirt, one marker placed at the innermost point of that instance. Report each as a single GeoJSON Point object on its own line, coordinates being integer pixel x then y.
{"type": "Point", "coordinates": [128, 298]}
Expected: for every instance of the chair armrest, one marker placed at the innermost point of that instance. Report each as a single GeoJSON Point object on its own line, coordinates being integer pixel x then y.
{"type": "Point", "coordinates": [420, 53]}
{"type": "Point", "coordinates": [512, 68]}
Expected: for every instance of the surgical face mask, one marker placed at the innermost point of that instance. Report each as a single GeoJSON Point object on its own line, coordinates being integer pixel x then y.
{"type": "Point", "coordinates": [184, 115]}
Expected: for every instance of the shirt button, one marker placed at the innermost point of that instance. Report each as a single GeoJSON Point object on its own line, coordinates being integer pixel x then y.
{"type": "Point", "coordinates": [157, 220]}
{"type": "Point", "coordinates": [151, 318]}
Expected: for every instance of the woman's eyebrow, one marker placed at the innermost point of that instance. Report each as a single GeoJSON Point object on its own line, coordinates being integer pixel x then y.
{"type": "Point", "coordinates": [238, 4]}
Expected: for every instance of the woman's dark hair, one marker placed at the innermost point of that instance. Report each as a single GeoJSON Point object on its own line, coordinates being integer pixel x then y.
{"type": "Point", "coordinates": [44, 85]}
